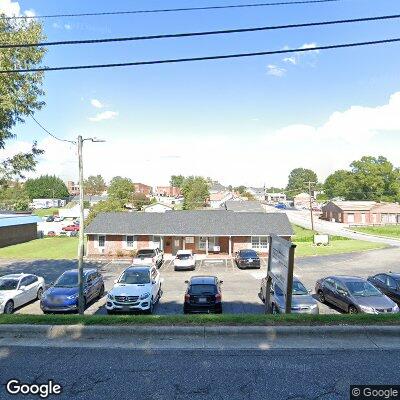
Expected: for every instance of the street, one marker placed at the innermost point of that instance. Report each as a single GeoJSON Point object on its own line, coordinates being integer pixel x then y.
{"type": "Point", "coordinates": [200, 374]}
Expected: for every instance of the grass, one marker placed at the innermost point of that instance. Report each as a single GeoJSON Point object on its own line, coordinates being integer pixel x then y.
{"type": "Point", "coordinates": [204, 320]}
{"type": "Point", "coordinates": [392, 231]}
{"type": "Point", "coordinates": [46, 211]}
{"type": "Point", "coordinates": [55, 248]}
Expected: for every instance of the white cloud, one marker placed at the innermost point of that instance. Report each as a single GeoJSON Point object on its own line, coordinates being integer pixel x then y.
{"type": "Point", "coordinates": [275, 70]}
{"type": "Point", "coordinates": [30, 13]}
{"type": "Point", "coordinates": [290, 60]}
{"type": "Point", "coordinates": [96, 103]}
{"type": "Point", "coordinates": [310, 46]}
{"type": "Point", "coordinates": [10, 8]}
{"type": "Point", "coordinates": [104, 116]}
{"type": "Point", "coordinates": [67, 27]}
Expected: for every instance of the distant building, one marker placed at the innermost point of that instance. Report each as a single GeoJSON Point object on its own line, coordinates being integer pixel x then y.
{"type": "Point", "coordinates": [302, 200]}
{"type": "Point", "coordinates": [91, 199]}
{"type": "Point", "coordinates": [169, 191]}
{"type": "Point", "coordinates": [216, 200]}
{"type": "Point", "coordinates": [157, 207]}
{"type": "Point", "coordinates": [73, 188]}
{"type": "Point", "coordinates": [47, 203]}
{"type": "Point", "coordinates": [17, 228]}
{"type": "Point", "coordinates": [275, 197]}
{"type": "Point", "coordinates": [257, 193]}
{"type": "Point", "coordinates": [143, 189]}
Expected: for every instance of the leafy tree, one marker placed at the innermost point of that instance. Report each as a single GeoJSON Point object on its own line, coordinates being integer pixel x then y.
{"type": "Point", "coordinates": [177, 181]}
{"type": "Point", "coordinates": [248, 195]}
{"type": "Point", "coordinates": [104, 206]}
{"type": "Point", "coordinates": [46, 186]}
{"type": "Point", "coordinates": [94, 185]}
{"type": "Point", "coordinates": [240, 189]}
{"type": "Point", "coordinates": [340, 184]}
{"type": "Point", "coordinates": [14, 197]}
{"type": "Point", "coordinates": [121, 189]}
{"type": "Point", "coordinates": [19, 92]}
{"type": "Point", "coordinates": [140, 200]}
{"type": "Point", "coordinates": [195, 192]}
{"type": "Point", "coordinates": [298, 180]}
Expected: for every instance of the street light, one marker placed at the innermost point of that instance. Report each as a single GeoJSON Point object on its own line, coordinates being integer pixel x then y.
{"type": "Point", "coordinates": [81, 305]}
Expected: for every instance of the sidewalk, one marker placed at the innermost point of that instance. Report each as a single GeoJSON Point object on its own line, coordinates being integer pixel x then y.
{"type": "Point", "coordinates": [202, 337]}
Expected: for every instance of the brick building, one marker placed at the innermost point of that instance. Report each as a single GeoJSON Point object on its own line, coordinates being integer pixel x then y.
{"type": "Point", "coordinates": [73, 188]}
{"type": "Point", "coordinates": [17, 228]}
{"type": "Point", "coordinates": [361, 212]}
{"type": "Point", "coordinates": [168, 191]}
{"type": "Point", "coordinates": [143, 189]}
{"type": "Point", "coordinates": [203, 231]}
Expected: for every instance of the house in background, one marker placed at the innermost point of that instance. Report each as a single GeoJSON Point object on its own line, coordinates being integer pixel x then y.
{"type": "Point", "coordinates": [73, 188]}
{"type": "Point", "coordinates": [157, 207]}
{"type": "Point", "coordinates": [302, 200]}
{"type": "Point", "coordinates": [143, 189]}
{"type": "Point", "coordinates": [202, 231]}
{"type": "Point", "coordinates": [361, 212]}
{"type": "Point", "coordinates": [168, 191]}
{"type": "Point", "coordinates": [217, 199]}
{"type": "Point", "coordinates": [275, 197]}
{"type": "Point", "coordinates": [258, 193]}
{"type": "Point", "coordinates": [17, 228]}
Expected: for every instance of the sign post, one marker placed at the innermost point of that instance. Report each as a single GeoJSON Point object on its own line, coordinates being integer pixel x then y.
{"type": "Point", "coordinates": [280, 270]}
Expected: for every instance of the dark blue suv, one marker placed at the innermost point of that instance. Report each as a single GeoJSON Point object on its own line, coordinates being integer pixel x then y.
{"type": "Point", "coordinates": [62, 296]}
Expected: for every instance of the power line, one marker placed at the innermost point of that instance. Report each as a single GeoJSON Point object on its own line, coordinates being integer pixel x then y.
{"type": "Point", "coordinates": [205, 33]}
{"type": "Point", "coordinates": [166, 10]}
{"type": "Point", "coordinates": [51, 134]}
{"type": "Point", "coordinates": [204, 58]}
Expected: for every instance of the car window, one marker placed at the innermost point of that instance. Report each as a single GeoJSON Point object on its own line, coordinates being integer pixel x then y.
{"type": "Point", "coordinates": [381, 278]}
{"type": "Point", "coordinates": [25, 281]}
{"type": "Point", "coordinates": [202, 289]}
{"type": "Point", "coordinates": [153, 274]}
{"type": "Point", "coordinates": [145, 253]}
{"type": "Point", "coordinates": [34, 279]}
{"type": "Point", "coordinates": [8, 284]}
{"type": "Point", "coordinates": [340, 287]}
{"type": "Point", "coordinates": [278, 290]}
{"type": "Point", "coordinates": [330, 283]}
{"type": "Point", "coordinates": [391, 283]}
{"type": "Point", "coordinates": [362, 289]}
{"type": "Point", "coordinates": [135, 277]}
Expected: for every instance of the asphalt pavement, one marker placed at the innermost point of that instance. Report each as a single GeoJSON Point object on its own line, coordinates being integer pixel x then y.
{"type": "Point", "coordinates": [198, 374]}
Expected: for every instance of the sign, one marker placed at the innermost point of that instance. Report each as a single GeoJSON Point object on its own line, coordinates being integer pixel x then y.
{"type": "Point", "coordinates": [216, 249]}
{"type": "Point", "coordinates": [189, 239]}
{"type": "Point", "coordinates": [280, 269]}
{"type": "Point", "coordinates": [321, 240]}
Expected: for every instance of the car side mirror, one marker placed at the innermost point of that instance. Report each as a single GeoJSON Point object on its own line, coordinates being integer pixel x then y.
{"type": "Point", "coordinates": [186, 281]}
{"type": "Point", "coordinates": [221, 281]}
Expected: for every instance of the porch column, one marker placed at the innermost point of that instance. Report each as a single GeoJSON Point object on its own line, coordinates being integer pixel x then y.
{"type": "Point", "coordinates": [162, 243]}
{"type": "Point", "coordinates": [207, 246]}
{"type": "Point", "coordinates": [183, 243]}
{"type": "Point", "coordinates": [230, 245]}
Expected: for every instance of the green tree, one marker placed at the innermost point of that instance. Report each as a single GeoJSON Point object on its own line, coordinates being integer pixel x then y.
{"type": "Point", "coordinates": [248, 195]}
{"type": "Point", "coordinates": [240, 189]}
{"type": "Point", "coordinates": [298, 180]}
{"type": "Point", "coordinates": [14, 198]}
{"type": "Point", "coordinates": [341, 183]}
{"type": "Point", "coordinates": [140, 200]}
{"type": "Point", "coordinates": [45, 187]}
{"type": "Point", "coordinates": [20, 93]}
{"type": "Point", "coordinates": [104, 206]}
{"type": "Point", "coordinates": [195, 192]}
{"type": "Point", "coordinates": [121, 189]}
{"type": "Point", "coordinates": [94, 185]}
{"type": "Point", "coordinates": [177, 181]}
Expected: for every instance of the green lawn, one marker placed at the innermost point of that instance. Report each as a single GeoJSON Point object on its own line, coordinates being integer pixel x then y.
{"type": "Point", "coordinates": [47, 248]}
{"type": "Point", "coordinates": [392, 231]}
{"type": "Point", "coordinates": [46, 211]}
{"type": "Point", "coordinates": [307, 249]}
{"type": "Point", "coordinates": [302, 234]}
{"type": "Point", "coordinates": [207, 319]}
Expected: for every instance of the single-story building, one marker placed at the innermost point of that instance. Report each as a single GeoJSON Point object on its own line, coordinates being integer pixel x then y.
{"type": "Point", "coordinates": [216, 200]}
{"type": "Point", "coordinates": [275, 197]}
{"type": "Point", "coordinates": [202, 231]}
{"type": "Point", "coordinates": [243, 206]}
{"type": "Point", "coordinates": [302, 200]}
{"type": "Point", "coordinates": [17, 228]}
{"type": "Point", "coordinates": [157, 207]}
{"type": "Point", "coordinates": [361, 212]}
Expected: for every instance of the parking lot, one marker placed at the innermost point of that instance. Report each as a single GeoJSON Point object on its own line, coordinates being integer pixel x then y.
{"type": "Point", "coordinates": [240, 288]}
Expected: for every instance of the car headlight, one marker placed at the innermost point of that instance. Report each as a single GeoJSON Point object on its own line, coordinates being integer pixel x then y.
{"type": "Point", "coordinates": [144, 296]}
{"type": "Point", "coordinates": [395, 308]}
{"type": "Point", "coordinates": [314, 306]}
{"type": "Point", "coordinates": [367, 309]}
{"type": "Point", "coordinates": [73, 296]}
{"type": "Point", "coordinates": [110, 297]}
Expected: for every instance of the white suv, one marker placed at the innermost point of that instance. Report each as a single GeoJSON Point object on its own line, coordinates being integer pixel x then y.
{"type": "Point", "coordinates": [149, 257]}
{"type": "Point", "coordinates": [184, 259]}
{"type": "Point", "coordinates": [138, 288]}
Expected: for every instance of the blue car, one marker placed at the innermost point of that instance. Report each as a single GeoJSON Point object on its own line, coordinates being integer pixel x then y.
{"type": "Point", "coordinates": [62, 296]}
{"type": "Point", "coordinates": [281, 206]}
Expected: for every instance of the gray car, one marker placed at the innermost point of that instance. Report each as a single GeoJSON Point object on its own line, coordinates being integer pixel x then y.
{"type": "Point", "coordinates": [302, 301]}
{"type": "Point", "coordinates": [354, 295]}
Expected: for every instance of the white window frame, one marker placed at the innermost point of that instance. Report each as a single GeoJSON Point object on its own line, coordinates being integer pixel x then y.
{"type": "Point", "coordinates": [98, 241]}
{"type": "Point", "coordinates": [202, 243]}
{"type": "Point", "coordinates": [134, 242]}
{"type": "Point", "coordinates": [259, 242]}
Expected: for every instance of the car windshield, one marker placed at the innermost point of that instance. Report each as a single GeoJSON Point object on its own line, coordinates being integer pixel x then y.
{"type": "Point", "coordinates": [362, 289]}
{"type": "Point", "coordinates": [202, 289]}
{"type": "Point", "coordinates": [183, 256]}
{"type": "Point", "coordinates": [8, 284]}
{"type": "Point", "coordinates": [145, 253]}
{"type": "Point", "coordinates": [69, 279]}
{"type": "Point", "coordinates": [248, 253]}
{"type": "Point", "coordinates": [131, 277]}
{"type": "Point", "coordinates": [299, 289]}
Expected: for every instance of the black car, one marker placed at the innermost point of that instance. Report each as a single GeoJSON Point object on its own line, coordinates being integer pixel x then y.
{"type": "Point", "coordinates": [247, 259]}
{"type": "Point", "coordinates": [50, 219]}
{"type": "Point", "coordinates": [388, 283]}
{"type": "Point", "coordinates": [203, 294]}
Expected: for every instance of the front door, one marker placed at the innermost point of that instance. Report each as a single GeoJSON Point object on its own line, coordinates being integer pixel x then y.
{"type": "Point", "coordinates": [176, 244]}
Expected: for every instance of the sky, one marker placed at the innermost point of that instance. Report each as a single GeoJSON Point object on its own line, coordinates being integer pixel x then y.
{"type": "Point", "coordinates": [240, 121]}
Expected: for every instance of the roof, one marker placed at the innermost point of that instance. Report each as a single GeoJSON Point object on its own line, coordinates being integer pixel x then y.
{"type": "Point", "coordinates": [15, 276]}
{"type": "Point", "coordinates": [250, 206]}
{"type": "Point", "coordinates": [17, 219]}
{"type": "Point", "coordinates": [386, 208]}
{"type": "Point", "coordinates": [202, 280]}
{"type": "Point", "coordinates": [220, 196]}
{"type": "Point", "coordinates": [157, 204]}
{"type": "Point", "coordinates": [191, 223]}
{"type": "Point", "coordinates": [354, 205]}
{"type": "Point", "coordinates": [348, 278]}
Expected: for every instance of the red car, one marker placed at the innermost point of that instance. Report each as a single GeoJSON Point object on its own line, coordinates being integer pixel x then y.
{"type": "Point", "coordinates": [71, 228]}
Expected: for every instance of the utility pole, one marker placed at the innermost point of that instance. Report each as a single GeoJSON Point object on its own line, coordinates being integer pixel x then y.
{"type": "Point", "coordinates": [311, 210]}
{"type": "Point", "coordinates": [81, 299]}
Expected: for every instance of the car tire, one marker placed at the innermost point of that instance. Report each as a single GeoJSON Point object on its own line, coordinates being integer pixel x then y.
{"type": "Point", "coordinates": [151, 308]}
{"type": "Point", "coordinates": [321, 297]}
{"type": "Point", "coordinates": [39, 294]}
{"type": "Point", "coordinates": [9, 307]}
{"type": "Point", "coordinates": [159, 294]}
{"type": "Point", "coordinates": [101, 293]}
{"type": "Point", "coordinates": [352, 310]}
{"type": "Point", "coordinates": [110, 312]}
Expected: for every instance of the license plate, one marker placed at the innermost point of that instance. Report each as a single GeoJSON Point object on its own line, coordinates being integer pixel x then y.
{"type": "Point", "coordinates": [250, 260]}
{"type": "Point", "coordinates": [202, 300]}
{"type": "Point", "coordinates": [125, 308]}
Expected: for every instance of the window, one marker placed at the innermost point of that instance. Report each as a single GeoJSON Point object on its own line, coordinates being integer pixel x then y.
{"type": "Point", "coordinates": [101, 241]}
{"type": "Point", "coordinates": [391, 282]}
{"type": "Point", "coordinates": [130, 241]}
{"type": "Point", "coordinates": [202, 243]}
{"type": "Point", "coordinates": [259, 242]}
{"type": "Point", "coordinates": [350, 218]}
{"type": "Point", "coordinates": [381, 278]}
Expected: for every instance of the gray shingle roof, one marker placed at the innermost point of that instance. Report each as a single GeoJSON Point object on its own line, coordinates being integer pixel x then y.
{"type": "Point", "coordinates": [191, 223]}
{"type": "Point", "coordinates": [250, 206]}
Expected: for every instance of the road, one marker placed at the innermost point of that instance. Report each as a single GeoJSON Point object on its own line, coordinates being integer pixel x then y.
{"type": "Point", "coordinates": [198, 374]}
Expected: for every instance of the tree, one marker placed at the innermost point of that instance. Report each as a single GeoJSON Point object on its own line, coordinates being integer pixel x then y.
{"type": "Point", "coordinates": [195, 192]}
{"type": "Point", "coordinates": [298, 180]}
{"type": "Point", "coordinates": [104, 206]}
{"type": "Point", "coordinates": [45, 187]}
{"type": "Point", "coordinates": [177, 181]}
{"type": "Point", "coordinates": [121, 189]}
{"type": "Point", "coordinates": [240, 189]}
{"type": "Point", "coordinates": [94, 185]}
{"type": "Point", "coordinates": [19, 92]}
{"type": "Point", "coordinates": [140, 200]}
{"type": "Point", "coordinates": [248, 195]}
{"type": "Point", "coordinates": [340, 184]}
{"type": "Point", "coordinates": [14, 197]}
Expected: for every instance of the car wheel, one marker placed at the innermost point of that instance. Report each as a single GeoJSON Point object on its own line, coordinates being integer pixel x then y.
{"type": "Point", "coordinates": [321, 296]}
{"type": "Point", "coordinates": [101, 293]}
{"type": "Point", "coordinates": [159, 294]}
{"type": "Point", "coordinates": [151, 308]}
{"type": "Point", "coordinates": [39, 294]}
{"type": "Point", "coordinates": [353, 310]}
{"type": "Point", "coordinates": [9, 307]}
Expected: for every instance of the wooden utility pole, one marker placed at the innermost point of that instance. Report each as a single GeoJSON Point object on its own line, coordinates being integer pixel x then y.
{"type": "Point", "coordinates": [311, 210]}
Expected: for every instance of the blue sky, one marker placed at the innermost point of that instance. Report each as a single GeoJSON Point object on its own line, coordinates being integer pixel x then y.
{"type": "Point", "coordinates": [234, 120]}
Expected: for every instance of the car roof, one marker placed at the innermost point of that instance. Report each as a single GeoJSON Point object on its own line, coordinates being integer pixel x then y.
{"type": "Point", "coordinates": [139, 267]}
{"type": "Point", "coordinates": [85, 271]}
{"type": "Point", "coordinates": [203, 280]}
{"type": "Point", "coordinates": [15, 276]}
{"type": "Point", "coordinates": [348, 278]}
{"type": "Point", "coordinates": [394, 274]}
{"type": "Point", "coordinates": [184, 252]}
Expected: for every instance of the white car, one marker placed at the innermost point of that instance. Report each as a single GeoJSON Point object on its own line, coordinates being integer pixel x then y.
{"type": "Point", "coordinates": [184, 259]}
{"type": "Point", "coordinates": [19, 289]}
{"type": "Point", "coordinates": [149, 257]}
{"type": "Point", "coordinates": [138, 288]}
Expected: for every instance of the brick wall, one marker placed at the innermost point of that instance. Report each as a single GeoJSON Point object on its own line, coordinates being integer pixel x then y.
{"type": "Point", "coordinates": [240, 242]}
